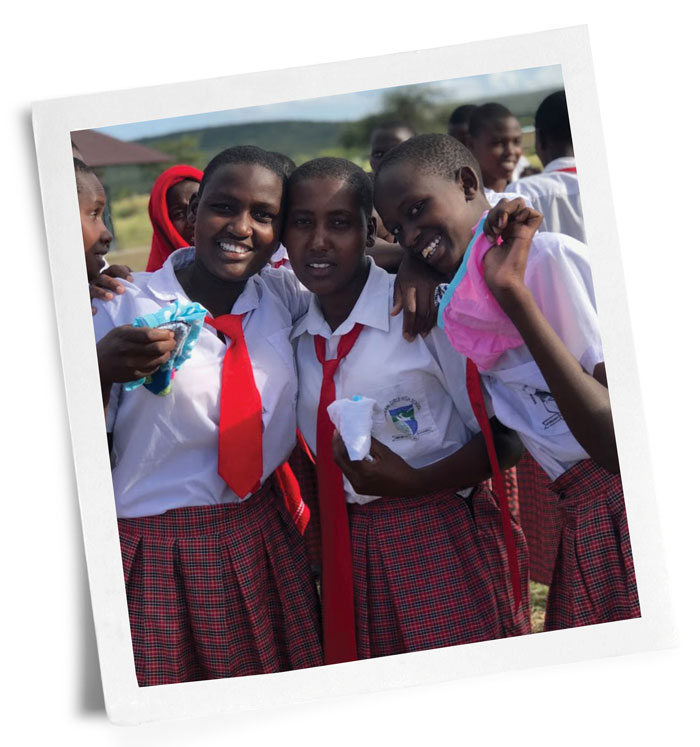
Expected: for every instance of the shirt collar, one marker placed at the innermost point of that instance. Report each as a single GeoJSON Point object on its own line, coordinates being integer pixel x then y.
{"type": "Point", "coordinates": [566, 162]}
{"type": "Point", "coordinates": [371, 309]}
{"type": "Point", "coordinates": [164, 284]}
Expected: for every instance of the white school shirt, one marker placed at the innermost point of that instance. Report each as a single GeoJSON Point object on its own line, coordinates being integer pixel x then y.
{"type": "Point", "coordinates": [559, 277]}
{"type": "Point", "coordinates": [556, 195]}
{"type": "Point", "coordinates": [165, 448]}
{"type": "Point", "coordinates": [281, 255]}
{"type": "Point", "coordinates": [423, 412]}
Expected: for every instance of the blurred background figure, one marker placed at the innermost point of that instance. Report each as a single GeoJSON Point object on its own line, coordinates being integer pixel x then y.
{"type": "Point", "coordinates": [167, 209]}
{"type": "Point", "coordinates": [386, 136]}
{"type": "Point", "coordinates": [458, 124]}
{"type": "Point", "coordinates": [554, 192]}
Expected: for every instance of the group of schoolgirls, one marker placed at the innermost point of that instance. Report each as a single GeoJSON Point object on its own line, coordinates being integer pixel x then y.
{"type": "Point", "coordinates": [416, 552]}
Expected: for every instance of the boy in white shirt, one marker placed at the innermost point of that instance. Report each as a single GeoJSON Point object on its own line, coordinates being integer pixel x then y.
{"type": "Point", "coordinates": [554, 192]}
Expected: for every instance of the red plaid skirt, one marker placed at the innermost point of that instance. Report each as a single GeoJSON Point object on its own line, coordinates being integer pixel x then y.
{"type": "Point", "coordinates": [539, 517]}
{"type": "Point", "coordinates": [431, 572]}
{"type": "Point", "coordinates": [593, 579]}
{"type": "Point", "coordinates": [219, 591]}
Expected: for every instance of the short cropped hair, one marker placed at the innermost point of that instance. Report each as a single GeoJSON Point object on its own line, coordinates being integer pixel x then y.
{"type": "Point", "coordinates": [338, 168]}
{"type": "Point", "coordinates": [288, 164]}
{"type": "Point", "coordinates": [483, 116]}
{"type": "Point", "coordinates": [433, 154]}
{"type": "Point", "coordinates": [244, 154]}
{"type": "Point", "coordinates": [552, 119]}
{"type": "Point", "coordinates": [462, 114]}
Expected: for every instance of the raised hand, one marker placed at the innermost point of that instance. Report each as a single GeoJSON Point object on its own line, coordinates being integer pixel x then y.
{"type": "Point", "coordinates": [504, 264]}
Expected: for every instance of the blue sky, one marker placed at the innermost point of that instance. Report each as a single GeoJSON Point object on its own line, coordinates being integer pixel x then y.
{"type": "Point", "coordinates": [349, 106]}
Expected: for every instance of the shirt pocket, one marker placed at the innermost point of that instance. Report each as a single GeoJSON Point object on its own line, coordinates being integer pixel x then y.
{"type": "Point", "coordinates": [403, 419]}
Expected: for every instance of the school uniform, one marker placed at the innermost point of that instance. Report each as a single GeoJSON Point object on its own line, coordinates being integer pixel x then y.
{"type": "Point", "coordinates": [217, 583]}
{"type": "Point", "coordinates": [280, 259]}
{"type": "Point", "coordinates": [555, 193]}
{"type": "Point", "coordinates": [428, 571]}
{"type": "Point", "coordinates": [594, 577]}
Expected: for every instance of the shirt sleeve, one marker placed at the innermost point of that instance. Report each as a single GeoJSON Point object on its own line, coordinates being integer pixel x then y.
{"type": "Point", "coordinates": [559, 276]}
{"type": "Point", "coordinates": [289, 290]}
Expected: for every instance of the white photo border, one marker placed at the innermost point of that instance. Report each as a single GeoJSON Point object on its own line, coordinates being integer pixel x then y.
{"type": "Point", "coordinates": [53, 122]}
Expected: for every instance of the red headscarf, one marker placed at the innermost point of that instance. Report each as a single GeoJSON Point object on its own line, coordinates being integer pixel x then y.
{"type": "Point", "coordinates": [166, 239]}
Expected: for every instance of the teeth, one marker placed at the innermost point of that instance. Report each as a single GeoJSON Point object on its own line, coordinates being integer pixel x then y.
{"type": "Point", "coordinates": [319, 265]}
{"type": "Point", "coordinates": [432, 246]}
{"type": "Point", "coordinates": [234, 248]}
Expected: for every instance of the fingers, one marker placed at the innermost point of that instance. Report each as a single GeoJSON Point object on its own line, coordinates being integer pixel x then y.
{"type": "Point", "coordinates": [398, 300]}
{"type": "Point", "coordinates": [109, 282]}
{"type": "Point", "coordinates": [409, 314]}
{"type": "Point", "coordinates": [118, 271]}
{"type": "Point", "coordinates": [426, 311]}
{"type": "Point", "coordinates": [501, 215]}
{"type": "Point", "coordinates": [103, 294]}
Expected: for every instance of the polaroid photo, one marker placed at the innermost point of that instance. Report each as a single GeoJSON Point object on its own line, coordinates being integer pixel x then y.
{"type": "Point", "coordinates": [326, 110]}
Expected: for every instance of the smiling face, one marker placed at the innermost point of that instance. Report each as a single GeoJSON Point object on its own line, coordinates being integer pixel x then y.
{"type": "Point", "coordinates": [178, 200]}
{"type": "Point", "coordinates": [431, 216]}
{"type": "Point", "coordinates": [96, 236]}
{"type": "Point", "coordinates": [382, 141]}
{"type": "Point", "coordinates": [497, 149]}
{"type": "Point", "coordinates": [326, 233]}
{"type": "Point", "coordinates": [237, 220]}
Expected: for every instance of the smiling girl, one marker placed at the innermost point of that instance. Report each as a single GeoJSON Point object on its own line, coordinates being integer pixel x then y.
{"type": "Point", "coordinates": [216, 576]}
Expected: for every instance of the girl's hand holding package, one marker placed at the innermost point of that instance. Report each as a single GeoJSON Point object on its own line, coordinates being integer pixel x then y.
{"type": "Point", "coordinates": [386, 475]}
{"type": "Point", "coordinates": [127, 353]}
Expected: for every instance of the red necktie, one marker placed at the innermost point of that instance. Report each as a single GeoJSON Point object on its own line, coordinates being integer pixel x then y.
{"type": "Point", "coordinates": [569, 170]}
{"type": "Point", "coordinates": [476, 398]}
{"type": "Point", "coordinates": [338, 612]}
{"type": "Point", "coordinates": [240, 416]}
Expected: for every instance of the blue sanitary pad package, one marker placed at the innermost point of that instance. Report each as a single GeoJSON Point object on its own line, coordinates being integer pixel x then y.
{"type": "Point", "coordinates": [185, 320]}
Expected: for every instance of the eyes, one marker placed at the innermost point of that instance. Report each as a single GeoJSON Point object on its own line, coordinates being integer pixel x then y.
{"type": "Point", "coordinates": [337, 223]}
{"type": "Point", "coordinates": [260, 215]}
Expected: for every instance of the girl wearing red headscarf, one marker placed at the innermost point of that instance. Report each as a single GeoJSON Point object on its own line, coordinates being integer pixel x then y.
{"type": "Point", "coordinates": [167, 209]}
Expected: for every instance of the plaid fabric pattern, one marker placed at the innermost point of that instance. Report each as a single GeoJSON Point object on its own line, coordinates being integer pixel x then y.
{"type": "Point", "coordinates": [593, 579]}
{"type": "Point", "coordinates": [305, 472]}
{"type": "Point", "coordinates": [510, 480]}
{"type": "Point", "coordinates": [539, 517]}
{"type": "Point", "coordinates": [431, 572]}
{"type": "Point", "coordinates": [219, 591]}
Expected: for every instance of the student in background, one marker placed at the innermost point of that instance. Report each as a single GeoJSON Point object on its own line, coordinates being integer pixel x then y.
{"type": "Point", "coordinates": [103, 278]}
{"type": "Point", "coordinates": [551, 389]}
{"type": "Point", "coordinates": [168, 210]}
{"type": "Point", "coordinates": [555, 192]}
{"type": "Point", "coordinates": [495, 139]}
{"type": "Point", "coordinates": [458, 124]}
{"type": "Point", "coordinates": [384, 137]}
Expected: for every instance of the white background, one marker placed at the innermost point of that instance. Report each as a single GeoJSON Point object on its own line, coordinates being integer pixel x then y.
{"type": "Point", "coordinates": [646, 75]}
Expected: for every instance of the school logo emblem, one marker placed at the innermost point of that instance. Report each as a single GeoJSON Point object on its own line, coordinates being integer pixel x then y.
{"type": "Point", "coordinates": [404, 419]}
{"type": "Point", "coordinates": [403, 413]}
{"type": "Point", "coordinates": [547, 406]}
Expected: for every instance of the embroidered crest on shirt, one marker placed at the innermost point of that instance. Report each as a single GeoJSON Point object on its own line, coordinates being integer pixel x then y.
{"type": "Point", "coordinates": [402, 413]}
{"type": "Point", "coordinates": [547, 411]}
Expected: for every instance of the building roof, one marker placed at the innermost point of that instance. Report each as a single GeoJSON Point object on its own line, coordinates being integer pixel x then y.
{"type": "Point", "coordinates": [97, 149]}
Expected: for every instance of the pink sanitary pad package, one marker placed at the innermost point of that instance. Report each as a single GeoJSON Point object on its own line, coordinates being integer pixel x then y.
{"type": "Point", "coordinates": [471, 317]}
